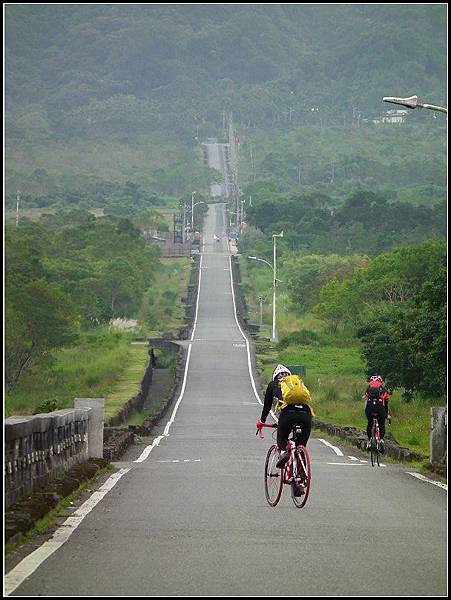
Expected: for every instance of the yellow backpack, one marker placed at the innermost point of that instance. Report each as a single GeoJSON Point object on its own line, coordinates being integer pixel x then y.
{"type": "Point", "coordinates": [294, 391]}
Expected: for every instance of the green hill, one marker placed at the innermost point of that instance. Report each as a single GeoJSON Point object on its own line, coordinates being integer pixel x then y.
{"type": "Point", "coordinates": [114, 92]}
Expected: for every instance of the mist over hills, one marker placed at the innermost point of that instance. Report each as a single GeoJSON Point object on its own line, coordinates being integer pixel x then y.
{"type": "Point", "coordinates": [81, 74]}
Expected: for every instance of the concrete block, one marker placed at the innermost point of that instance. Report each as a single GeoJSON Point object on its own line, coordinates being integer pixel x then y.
{"type": "Point", "coordinates": [438, 439]}
{"type": "Point", "coordinates": [95, 424]}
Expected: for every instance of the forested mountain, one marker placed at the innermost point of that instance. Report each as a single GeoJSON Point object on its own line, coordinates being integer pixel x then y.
{"type": "Point", "coordinates": [133, 85]}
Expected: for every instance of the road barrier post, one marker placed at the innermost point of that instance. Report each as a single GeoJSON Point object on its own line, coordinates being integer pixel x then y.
{"type": "Point", "coordinates": [438, 445]}
{"type": "Point", "coordinates": [95, 424]}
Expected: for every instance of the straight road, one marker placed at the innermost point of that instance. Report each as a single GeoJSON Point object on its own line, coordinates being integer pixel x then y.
{"type": "Point", "coordinates": [192, 519]}
{"type": "Point", "coordinates": [217, 159]}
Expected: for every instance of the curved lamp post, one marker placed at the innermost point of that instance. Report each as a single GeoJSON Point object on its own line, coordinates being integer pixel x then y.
{"type": "Point", "coordinates": [412, 102]}
{"type": "Point", "coordinates": [273, 267]}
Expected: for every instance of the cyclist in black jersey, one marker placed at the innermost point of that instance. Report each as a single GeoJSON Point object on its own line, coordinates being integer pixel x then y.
{"type": "Point", "coordinates": [298, 414]}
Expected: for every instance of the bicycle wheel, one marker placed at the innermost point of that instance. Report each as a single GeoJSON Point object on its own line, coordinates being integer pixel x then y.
{"type": "Point", "coordinates": [300, 486]}
{"type": "Point", "coordinates": [273, 477]}
{"type": "Point", "coordinates": [373, 455]}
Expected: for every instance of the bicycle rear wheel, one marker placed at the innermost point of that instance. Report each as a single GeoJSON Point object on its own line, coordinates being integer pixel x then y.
{"type": "Point", "coordinates": [374, 454]}
{"type": "Point", "coordinates": [273, 477]}
{"type": "Point", "coordinates": [300, 486]}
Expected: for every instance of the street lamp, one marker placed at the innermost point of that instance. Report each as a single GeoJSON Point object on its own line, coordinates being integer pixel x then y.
{"type": "Point", "coordinates": [273, 267]}
{"type": "Point", "coordinates": [412, 102]}
{"type": "Point", "coordinates": [274, 236]}
{"type": "Point", "coordinates": [241, 215]}
{"type": "Point", "coordinates": [192, 212]}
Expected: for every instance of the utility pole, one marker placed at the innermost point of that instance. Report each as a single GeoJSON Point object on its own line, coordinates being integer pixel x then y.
{"type": "Point", "coordinates": [252, 162]}
{"type": "Point", "coordinates": [274, 331]}
{"type": "Point", "coordinates": [261, 312]}
{"type": "Point", "coordinates": [192, 210]}
{"type": "Point", "coordinates": [184, 224]}
{"type": "Point", "coordinates": [17, 208]}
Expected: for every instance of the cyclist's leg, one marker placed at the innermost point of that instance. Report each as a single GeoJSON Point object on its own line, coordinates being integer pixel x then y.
{"type": "Point", "coordinates": [283, 430]}
{"type": "Point", "coordinates": [381, 420]}
{"type": "Point", "coordinates": [369, 427]}
{"type": "Point", "coordinates": [304, 419]}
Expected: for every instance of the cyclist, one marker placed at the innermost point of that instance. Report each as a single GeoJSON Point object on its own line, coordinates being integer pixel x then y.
{"type": "Point", "coordinates": [290, 415]}
{"type": "Point", "coordinates": [376, 404]}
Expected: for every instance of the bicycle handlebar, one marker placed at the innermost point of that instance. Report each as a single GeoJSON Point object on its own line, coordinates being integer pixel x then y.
{"type": "Point", "coordinates": [260, 426]}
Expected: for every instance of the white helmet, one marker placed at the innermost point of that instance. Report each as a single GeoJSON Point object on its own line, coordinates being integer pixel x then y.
{"type": "Point", "coordinates": [280, 369]}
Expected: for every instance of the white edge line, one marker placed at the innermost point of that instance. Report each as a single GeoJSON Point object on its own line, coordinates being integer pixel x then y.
{"type": "Point", "coordinates": [249, 363]}
{"type": "Point", "coordinates": [337, 451]}
{"type": "Point", "coordinates": [198, 296]}
{"type": "Point", "coordinates": [439, 484]}
{"type": "Point", "coordinates": [157, 440]}
{"type": "Point", "coordinates": [28, 565]}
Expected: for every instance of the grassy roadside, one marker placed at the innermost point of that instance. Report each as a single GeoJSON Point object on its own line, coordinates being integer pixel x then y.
{"type": "Point", "coordinates": [162, 308]}
{"type": "Point", "coordinates": [104, 363]}
{"type": "Point", "coordinates": [335, 372]}
{"type": "Point", "coordinates": [128, 382]}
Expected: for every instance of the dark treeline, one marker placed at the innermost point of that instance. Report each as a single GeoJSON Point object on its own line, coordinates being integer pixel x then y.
{"type": "Point", "coordinates": [111, 81]}
{"type": "Point", "coordinates": [371, 267]}
{"type": "Point", "coordinates": [91, 68]}
{"type": "Point", "coordinates": [366, 223]}
{"type": "Point", "coordinates": [70, 271]}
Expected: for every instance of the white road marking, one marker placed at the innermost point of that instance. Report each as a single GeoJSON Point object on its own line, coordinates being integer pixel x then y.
{"type": "Point", "coordinates": [29, 564]}
{"type": "Point", "coordinates": [363, 461]}
{"type": "Point", "coordinates": [342, 464]}
{"type": "Point", "coordinates": [249, 363]}
{"type": "Point", "coordinates": [337, 451]}
{"type": "Point", "coordinates": [439, 484]}
{"type": "Point", "coordinates": [157, 440]}
{"type": "Point", "coordinates": [353, 458]}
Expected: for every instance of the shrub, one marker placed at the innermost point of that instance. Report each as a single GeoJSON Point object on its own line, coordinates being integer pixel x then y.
{"type": "Point", "coordinates": [303, 337]}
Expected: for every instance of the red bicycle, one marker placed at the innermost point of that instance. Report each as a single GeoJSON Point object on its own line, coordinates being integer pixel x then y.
{"type": "Point", "coordinates": [296, 472]}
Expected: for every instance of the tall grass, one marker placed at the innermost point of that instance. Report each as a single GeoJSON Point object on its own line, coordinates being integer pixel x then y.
{"type": "Point", "coordinates": [89, 369]}
{"type": "Point", "coordinates": [162, 308]}
{"type": "Point", "coordinates": [335, 371]}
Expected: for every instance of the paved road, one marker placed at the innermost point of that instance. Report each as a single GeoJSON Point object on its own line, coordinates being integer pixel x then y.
{"type": "Point", "coordinates": [203, 527]}
{"type": "Point", "coordinates": [216, 154]}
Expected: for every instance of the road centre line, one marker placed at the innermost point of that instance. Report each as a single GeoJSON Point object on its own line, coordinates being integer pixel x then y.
{"type": "Point", "coordinates": [29, 564]}
{"type": "Point", "coordinates": [344, 464]}
{"type": "Point", "coordinates": [439, 484]}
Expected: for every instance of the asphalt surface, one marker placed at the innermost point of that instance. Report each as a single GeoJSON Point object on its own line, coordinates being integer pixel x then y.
{"type": "Point", "coordinates": [217, 160]}
{"type": "Point", "coordinates": [204, 528]}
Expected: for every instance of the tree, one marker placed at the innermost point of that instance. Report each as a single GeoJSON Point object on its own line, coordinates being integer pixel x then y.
{"type": "Point", "coordinates": [40, 319]}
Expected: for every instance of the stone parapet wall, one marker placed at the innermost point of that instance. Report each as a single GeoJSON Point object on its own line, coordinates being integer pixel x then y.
{"type": "Point", "coordinates": [39, 448]}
